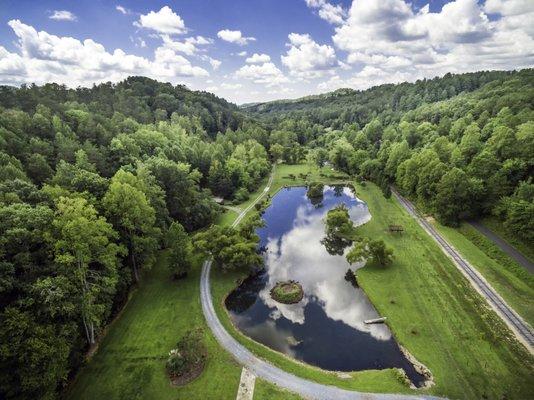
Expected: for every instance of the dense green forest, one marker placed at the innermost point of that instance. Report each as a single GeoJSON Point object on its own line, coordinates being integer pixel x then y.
{"type": "Point", "coordinates": [95, 181]}
{"type": "Point", "coordinates": [461, 145]}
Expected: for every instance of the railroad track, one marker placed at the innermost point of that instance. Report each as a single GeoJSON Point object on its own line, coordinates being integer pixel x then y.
{"type": "Point", "coordinates": [521, 329]}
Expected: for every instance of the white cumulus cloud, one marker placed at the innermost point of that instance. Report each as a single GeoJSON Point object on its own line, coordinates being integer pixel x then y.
{"type": "Point", "coordinates": [234, 37]}
{"type": "Point", "coordinates": [122, 10]}
{"type": "Point", "coordinates": [164, 21]}
{"type": "Point", "coordinates": [266, 74]}
{"type": "Point", "coordinates": [389, 41]}
{"type": "Point", "coordinates": [42, 57]}
{"type": "Point", "coordinates": [63, 15]}
{"type": "Point", "coordinates": [188, 46]}
{"type": "Point", "coordinates": [258, 59]}
{"type": "Point", "coordinates": [334, 14]}
{"type": "Point", "coordinates": [308, 59]}
{"type": "Point", "coordinates": [215, 64]}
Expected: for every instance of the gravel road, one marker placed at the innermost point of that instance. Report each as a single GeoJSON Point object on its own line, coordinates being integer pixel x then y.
{"type": "Point", "coordinates": [520, 328]}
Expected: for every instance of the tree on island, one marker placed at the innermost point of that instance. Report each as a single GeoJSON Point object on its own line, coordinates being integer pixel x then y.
{"type": "Point", "coordinates": [338, 222]}
{"type": "Point", "coordinates": [315, 193]}
{"type": "Point", "coordinates": [339, 230]}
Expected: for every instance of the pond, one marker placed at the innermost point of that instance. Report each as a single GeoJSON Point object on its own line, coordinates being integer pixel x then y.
{"type": "Point", "coordinates": [326, 328]}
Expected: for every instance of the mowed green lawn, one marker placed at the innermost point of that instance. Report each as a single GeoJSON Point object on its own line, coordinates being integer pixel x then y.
{"type": "Point", "coordinates": [431, 308]}
{"type": "Point", "coordinates": [130, 363]}
{"type": "Point", "coordinates": [435, 313]}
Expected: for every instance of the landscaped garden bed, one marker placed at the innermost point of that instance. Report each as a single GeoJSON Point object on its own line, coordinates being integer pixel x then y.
{"type": "Point", "coordinates": [186, 362]}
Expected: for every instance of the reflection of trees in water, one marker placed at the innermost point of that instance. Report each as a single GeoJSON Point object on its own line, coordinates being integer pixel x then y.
{"type": "Point", "coordinates": [317, 202]}
{"type": "Point", "coordinates": [334, 244]}
{"type": "Point", "coordinates": [338, 190]}
{"type": "Point", "coordinates": [245, 295]}
{"type": "Point", "coordinates": [351, 278]}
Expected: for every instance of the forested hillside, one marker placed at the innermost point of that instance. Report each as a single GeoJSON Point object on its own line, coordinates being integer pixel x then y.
{"type": "Point", "coordinates": [388, 102]}
{"type": "Point", "coordinates": [94, 182]}
{"type": "Point", "coordinates": [461, 145]}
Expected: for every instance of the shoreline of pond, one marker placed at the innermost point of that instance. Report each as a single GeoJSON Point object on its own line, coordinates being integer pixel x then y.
{"type": "Point", "coordinates": [421, 370]}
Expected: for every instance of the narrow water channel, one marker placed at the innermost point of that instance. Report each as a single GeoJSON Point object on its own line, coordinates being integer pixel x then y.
{"type": "Point", "coordinates": [326, 328]}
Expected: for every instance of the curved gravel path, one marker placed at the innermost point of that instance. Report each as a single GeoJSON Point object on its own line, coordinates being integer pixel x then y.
{"type": "Point", "coordinates": [519, 327]}
{"type": "Point", "coordinates": [307, 389]}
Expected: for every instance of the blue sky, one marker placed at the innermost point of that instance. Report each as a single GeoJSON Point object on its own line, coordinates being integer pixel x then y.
{"type": "Point", "coordinates": [257, 50]}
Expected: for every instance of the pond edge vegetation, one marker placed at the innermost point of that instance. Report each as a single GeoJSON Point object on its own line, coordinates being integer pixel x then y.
{"type": "Point", "coordinates": [399, 372]}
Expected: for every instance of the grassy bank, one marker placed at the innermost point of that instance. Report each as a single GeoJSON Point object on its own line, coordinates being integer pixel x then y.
{"type": "Point", "coordinates": [513, 282]}
{"type": "Point", "coordinates": [264, 390]}
{"type": "Point", "coordinates": [435, 313]}
{"type": "Point", "coordinates": [431, 308]}
{"type": "Point", "coordinates": [130, 363]}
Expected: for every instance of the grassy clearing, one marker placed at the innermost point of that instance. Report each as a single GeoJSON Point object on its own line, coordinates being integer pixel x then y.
{"type": "Point", "coordinates": [226, 218]}
{"type": "Point", "coordinates": [264, 390]}
{"type": "Point", "coordinates": [435, 313]}
{"type": "Point", "coordinates": [510, 280]}
{"type": "Point", "coordinates": [130, 363]}
{"type": "Point", "coordinates": [494, 224]}
{"type": "Point", "coordinates": [430, 306]}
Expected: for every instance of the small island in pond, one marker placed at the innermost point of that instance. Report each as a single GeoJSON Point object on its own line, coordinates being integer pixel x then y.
{"type": "Point", "coordinates": [289, 292]}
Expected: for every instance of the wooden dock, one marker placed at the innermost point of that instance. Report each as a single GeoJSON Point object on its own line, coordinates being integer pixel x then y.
{"type": "Point", "coordinates": [375, 321]}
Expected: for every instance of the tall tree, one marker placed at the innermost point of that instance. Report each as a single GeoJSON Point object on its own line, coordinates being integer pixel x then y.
{"type": "Point", "coordinates": [180, 250]}
{"type": "Point", "coordinates": [134, 218]}
{"type": "Point", "coordinates": [85, 249]}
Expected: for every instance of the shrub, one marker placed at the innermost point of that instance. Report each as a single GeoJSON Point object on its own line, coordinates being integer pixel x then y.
{"type": "Point", "coordinates": [188, 359]}
{"type": "Point", "coordinates": [241, 195]}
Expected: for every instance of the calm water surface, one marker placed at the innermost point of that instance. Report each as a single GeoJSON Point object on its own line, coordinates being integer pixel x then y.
{"type": "Point", "coordinates": [326, 328]}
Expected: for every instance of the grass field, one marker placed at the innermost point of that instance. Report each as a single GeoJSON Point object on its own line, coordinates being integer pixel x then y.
{"type": "Point", "coordinates": [431, 308]}
{"type": "Point", "coordinates": [264, 390]}
{"type": "Point", "coordinates": [130, 363]}
{"type": "Point", "coordinates": [513, 282]}
{"type": "Point", "coordinates": [226, 218]}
